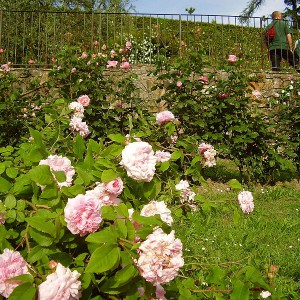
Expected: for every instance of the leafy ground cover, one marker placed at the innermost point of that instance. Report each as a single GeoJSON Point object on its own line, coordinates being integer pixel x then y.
{"type": "Point", "coordinates": [220, 242]}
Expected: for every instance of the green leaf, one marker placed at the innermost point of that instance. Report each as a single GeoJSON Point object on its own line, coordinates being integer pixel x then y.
{"type": "Point", "coordinates": [240, 291]}
{"type": "Point", "coordinates": [4, 185]}
{"type": "Point", "coordinates": [41, 174]}
{"type": "Point", "coordinates": [119, 138]}
{"type": "Point", "coordinates": [108, 175]}
{"type": "Point", "coordinates": [37, 136]}
{"type": "Point", "coordinates": [36, 154]}
{"type": "Point", "coordinates": [23, 278]}
{"type": "Point", "coordinates": [73, 190]}
{"type": "Point", "coordinates": [12, 172]}
{"type": "Point", "coordinates": [253, 275]}
{"type": "Point", "coordinates": [84, 175]}
{"type": "Point", "coordinates": [22, 185]}
{"type": "Point", "coordinates": [60, 176]}
{"type": "Point", "coordinates": [124, 275]}
{"type": "Point", "coordinates": [122, 228]}
{"type": "Point", "coordinates": [25, 291]}
{"type": "Point", "coordinates": [41, 224]}
{"type": "Point", "coordinates": [106, 235]}
{"type": "Point", "coordinates": [43, 239]}
{"type": "Point", "coordinates": [37, 253]}
{"type": "Point", "coordinates": [164, 166]}
{"type": "Point", "coordinates": [103, 259]}
{"type": "Point", "coordinates": [49, 192]}
{"type": "Point", "coordinates": [10, 201]}
{"type": "Point", "coordinates": [122, 210]}
{"type": "Point", "coordinates": [176, 155]}
{"type": "Point", "coordinates": [79, 147]}
{"type": "Point", "coordinates": [112, 150]}
{"type": "Point", "coordinates": [108, 213]}
{"type": "Point", "coordinates": [234, 184]}
{"type": "Point", "coordinates": [2, 167]}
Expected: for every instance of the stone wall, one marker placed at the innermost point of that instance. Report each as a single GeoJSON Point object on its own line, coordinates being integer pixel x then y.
{"type": "Point", "coordinates": [267, 83]}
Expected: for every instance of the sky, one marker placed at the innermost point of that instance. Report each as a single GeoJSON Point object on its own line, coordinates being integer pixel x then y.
{"type": "Point", "coordinates": [205, 7]}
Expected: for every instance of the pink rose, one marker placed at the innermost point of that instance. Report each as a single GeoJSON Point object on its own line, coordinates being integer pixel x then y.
{"type": "Point", "coordinates": [207, 152]}
{"type": "Point", "coordinates": [111, 64]}
{"type": "Point", "coordinates": [128, 45]}
{"type": "Point", "coordinates": [162, 156]}
{"type": "Point", "coordinates": [125, 65]}
{"type": "Point", "coordinates": [245, 199]}
{"type": "Point", "coordinates": [104, 196]}
{"type": "Point", "coordinates": [232, 58]}
{"type": "Point", "coordinates": [178, 83]}
{"type": "Point", "coordinates": [157, 208]}
{"type": "Point", "coordinates": [256, 94]}
{"type": "Point", "coordinates": [12, 264]}
{"type": "Point", "coordinates": [114, 187]}
{"type": "Point", "coordinates": [31, 61]}
{"type": "Point", "coordinates": [82, 214]}
{"type": "Point", "coordinates": [84, 100]}
{"type": "Point", "coordinates": [160, 292]}
{"type": "Point", "coordinates": [1, 50]}
{"type": "Point", "coordinates": [63, 284]}
{"type": "Point", "coordinates": [60, 163]}
{"type": "Point", "coordinates": [203, 79]}
{"type": "Point", "coordinates": [84, 55]}
{"type": "Point", "coordinates": [96, 43]}
{"type": "Point", "coordinates": [164, 117]}
{"type": "Point", "coordinates": [77, 125]}
{"type": "Point", "coordinates": [139, 161]}
{"type": "Point", "coordinates": [224, 95]}
{"type": "Point", "coordinates": [160, 257]}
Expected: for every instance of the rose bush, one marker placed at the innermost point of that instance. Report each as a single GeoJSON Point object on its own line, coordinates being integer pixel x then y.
{"type": "Point", "coordinates": [91, 214]}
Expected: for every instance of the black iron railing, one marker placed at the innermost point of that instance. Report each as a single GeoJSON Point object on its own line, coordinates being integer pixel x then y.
{"type": "Point", "coordinates": [31, 36]}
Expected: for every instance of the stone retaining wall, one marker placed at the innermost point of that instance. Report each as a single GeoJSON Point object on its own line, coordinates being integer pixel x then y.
{"type": "Point", "coordinates": [267, 83]}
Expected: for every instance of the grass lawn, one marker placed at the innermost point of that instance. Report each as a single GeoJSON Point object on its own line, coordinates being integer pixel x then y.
{"type": "Point", "coordinates": [219, 240]}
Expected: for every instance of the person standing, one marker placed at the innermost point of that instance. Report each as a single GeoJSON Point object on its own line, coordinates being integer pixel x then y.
{"type": "Point", "coordinates": [281, 45]}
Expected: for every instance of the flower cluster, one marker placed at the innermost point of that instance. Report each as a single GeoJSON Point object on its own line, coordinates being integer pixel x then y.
{"type": "Point", "coordinates": [60, 163]}
{"type": "Point", "coordinates": [5, 67]}
{"type": "Point", "coordinates": [157, 208]}
{"type": "Point", "coordinates": [77, 109]}
{"type": "Point", "coordinates": [162, 156]}
{"type": "Point", "coordinates": [164, 117]}
{"type": "Point", "coordinates": [232, 58]}
{"type": "Point", "coordinates": [12, 264]}
{"type": "Point", "coordinates": [82, 213]}
{"type": "Point", "coordinates": [186, 194]}
{"type": "Point", "coordinates": [160, 257]}
{"type": "Point", "coordinates": [207, 152]}
{"type": "Point", "coordinates": [245, 199]}
{"type": "Point", "coordinates": [139, 161]}
{"type": "Point", "coordinates": [76, 123]}
{"type": "Point", "coordinates": [63, 284]}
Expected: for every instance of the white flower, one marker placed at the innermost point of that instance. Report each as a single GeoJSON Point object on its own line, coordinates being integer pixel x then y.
{"type": "Point", "coordinates": [265, 294]}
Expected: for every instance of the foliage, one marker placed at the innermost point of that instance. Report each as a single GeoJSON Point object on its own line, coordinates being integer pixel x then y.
{"type": "Point", "coordinates": [34, 202]}
{"type": "Point", "coordinates": [223, 111]}
{"type": "Point", "coordinates": [77, 5]}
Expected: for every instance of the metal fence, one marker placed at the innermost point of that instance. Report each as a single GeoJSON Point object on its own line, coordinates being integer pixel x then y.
{"type": "Point", "coordinates": [39, 36]}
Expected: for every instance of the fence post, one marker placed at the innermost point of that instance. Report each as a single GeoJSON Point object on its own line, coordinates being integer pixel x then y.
{"type": "Point", "coordinates": [262, 54]}
{"type": "Point", "coordinates": [180, 35]}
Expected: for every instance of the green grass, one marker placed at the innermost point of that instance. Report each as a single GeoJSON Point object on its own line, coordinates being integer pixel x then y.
{"type": "Point", "coordinates": [223, 236]}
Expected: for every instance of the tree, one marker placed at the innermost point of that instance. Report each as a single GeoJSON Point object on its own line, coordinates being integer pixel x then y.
{"type": "Point", "coordinates": [253, 5]}
{"type": "Point", "coordinates": [78, 5]}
